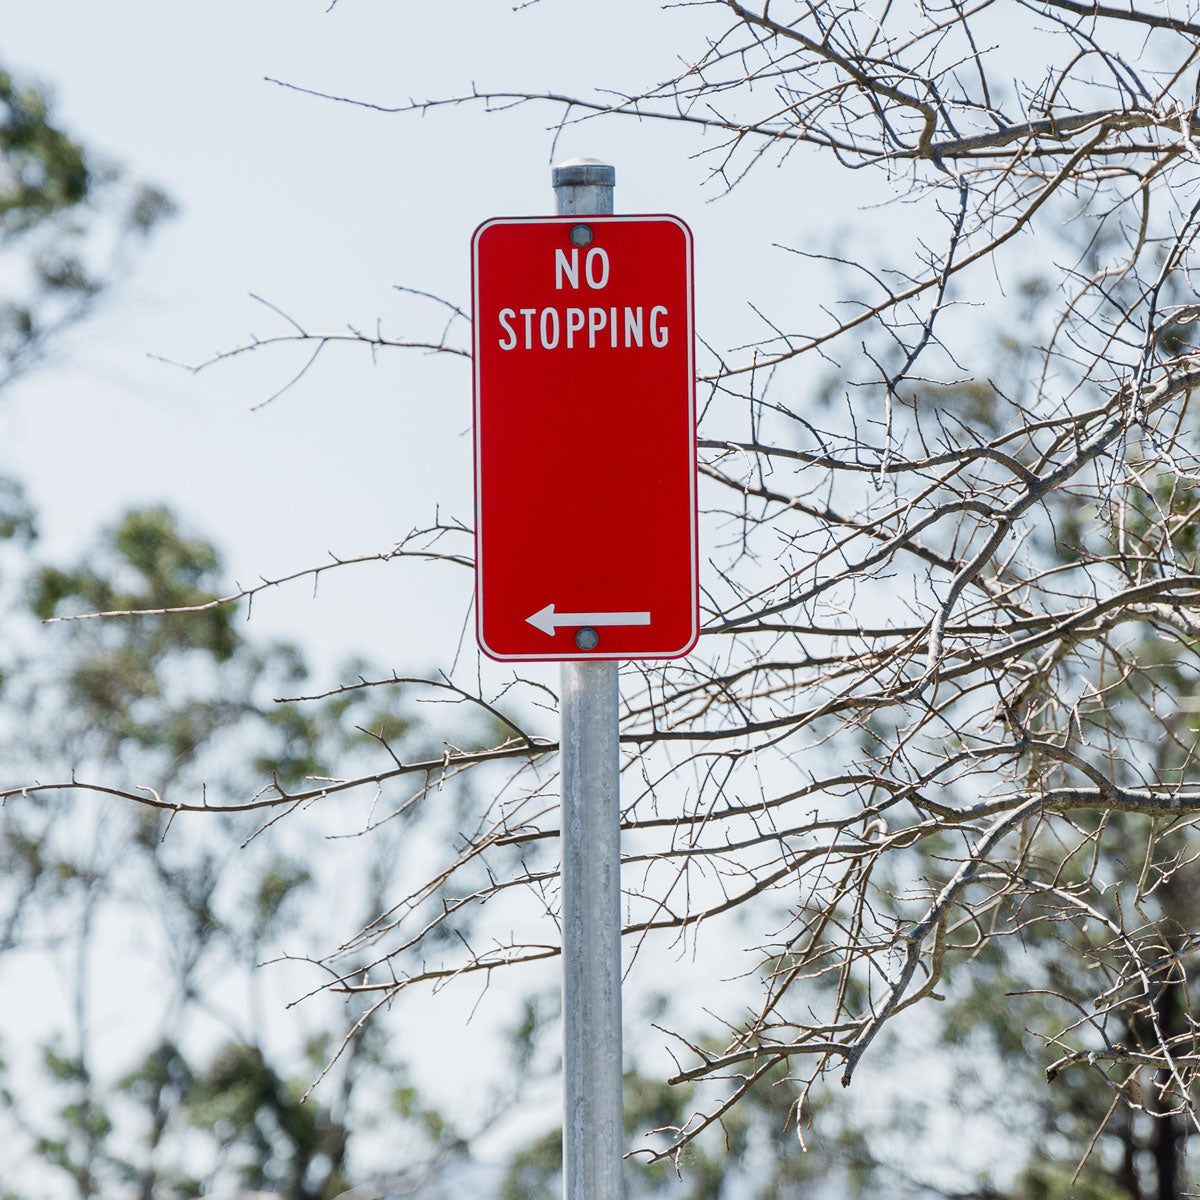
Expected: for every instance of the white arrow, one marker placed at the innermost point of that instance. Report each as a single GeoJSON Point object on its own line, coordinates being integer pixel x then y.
{"type": "Point", "coordinates": [547, 620]}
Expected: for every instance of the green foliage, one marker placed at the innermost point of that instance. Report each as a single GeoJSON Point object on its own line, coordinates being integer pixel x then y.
{"type": "Point", "coordinates": [169, 682]}
{"type": "Point", "coordinates": [162, 697]}
{"type": "Point", "coordinates": [17, 519]}
{"type": "Point", "coordinates": [294, 757]}
{"type": "Point", "coordinates": [157, 568]}
{"type": "Point", "coordinates": [45, 170]}
{"type": "Point", "coordinates": [63, 224]}
{"type": "Point", "coordinates": [757, 1154]}
{"type": "Point", "coordinates": [536, 1169]}
{"type": "Point", "coordinates": [242, 1100]}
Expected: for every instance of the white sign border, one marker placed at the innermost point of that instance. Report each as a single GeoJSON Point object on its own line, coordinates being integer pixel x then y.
{"type": "Point", "coordinates": [694, 558]}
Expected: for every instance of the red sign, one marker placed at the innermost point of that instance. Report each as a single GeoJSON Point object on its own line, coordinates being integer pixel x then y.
{"type": "Point", "coordinates": [585, 438]}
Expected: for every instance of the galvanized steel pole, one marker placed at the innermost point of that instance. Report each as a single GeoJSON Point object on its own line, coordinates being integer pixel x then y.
{"type": "Point", "coordinates": [593, 1137]}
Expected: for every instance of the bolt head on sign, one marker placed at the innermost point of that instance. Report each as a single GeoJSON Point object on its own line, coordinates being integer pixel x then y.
{"type": "Point", "coordinates": [585, 438]}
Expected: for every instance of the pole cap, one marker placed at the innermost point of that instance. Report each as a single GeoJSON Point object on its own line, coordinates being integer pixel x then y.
{"type": "Point", "coordinates": [583, 172]}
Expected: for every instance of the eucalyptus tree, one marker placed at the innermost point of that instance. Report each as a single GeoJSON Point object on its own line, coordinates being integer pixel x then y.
{"type": "Point", "coordinates": [68, 220]}
{"type": "Point", "coordinates": [185, 1093]}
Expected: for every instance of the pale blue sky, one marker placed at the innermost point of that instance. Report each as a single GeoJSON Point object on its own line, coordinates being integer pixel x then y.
{"type": "Point", "coordinates": [321, 208]}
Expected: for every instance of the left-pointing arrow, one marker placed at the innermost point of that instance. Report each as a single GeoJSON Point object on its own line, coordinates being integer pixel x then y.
{"type": "Point", "coordinates": [547, 620]}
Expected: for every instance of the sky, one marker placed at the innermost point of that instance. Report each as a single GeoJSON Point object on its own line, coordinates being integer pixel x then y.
{"type": "Point", "coordinates": [292, 208]}
{"type": "Point", "coordinates": [320, 210]}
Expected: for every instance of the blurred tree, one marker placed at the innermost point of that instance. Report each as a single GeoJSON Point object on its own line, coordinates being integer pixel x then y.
{"type": "Point", "coordinates": [66, 223]}
{"type": "Point", "coordinates": [199, 1094]}
{"type": "Point", "coordinates": [155, 699]}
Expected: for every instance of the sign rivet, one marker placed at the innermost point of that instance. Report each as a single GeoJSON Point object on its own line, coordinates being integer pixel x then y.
{"type": "Point", "coordinates": [581, 235]}
{"type": "Point", "coordinates": [587, 638]}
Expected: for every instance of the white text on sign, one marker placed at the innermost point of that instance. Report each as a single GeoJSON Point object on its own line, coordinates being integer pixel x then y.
{"type": "Point", "coordinates": [548, 328]}
{"type": "Point", "coordinates": [618, 327]}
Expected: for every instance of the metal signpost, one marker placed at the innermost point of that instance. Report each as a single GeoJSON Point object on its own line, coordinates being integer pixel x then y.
{"type": "Point", "coordinates": [586, 548]}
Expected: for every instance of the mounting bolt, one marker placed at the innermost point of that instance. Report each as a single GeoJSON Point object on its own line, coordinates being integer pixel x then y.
{"type": "Point", "coordinates": [587, 638]}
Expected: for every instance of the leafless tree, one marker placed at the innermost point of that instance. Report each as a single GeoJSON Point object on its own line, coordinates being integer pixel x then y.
{"type": "Point", "coordinates": [945, 703]}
